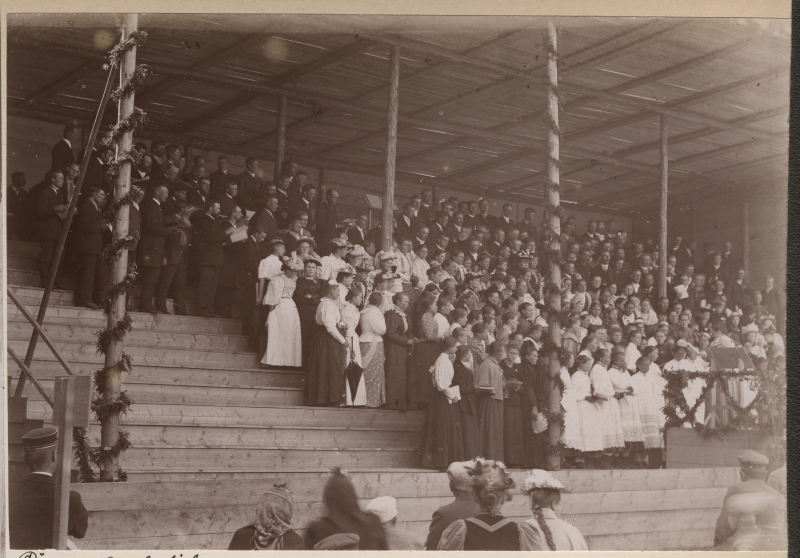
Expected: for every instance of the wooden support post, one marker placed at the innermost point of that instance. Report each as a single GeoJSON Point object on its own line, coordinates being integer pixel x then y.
{"type": "Point", "coordinates": [746, 235]}
{"type": "Point", "coordinates": [109, 434]}
{"type": "Point", "coordinates": [280, 136]}
{"type": "Point", "coordinates": [63, 418]}
{"type": "Point", "coordinates": [554, 217]}
{"type": "Point", "coordinates": [387, 216]}
{"type": "Point", "coordinates": [662, 234]}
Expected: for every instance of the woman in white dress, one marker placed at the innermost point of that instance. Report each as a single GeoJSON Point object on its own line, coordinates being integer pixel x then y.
{"type": "Point", "coordinates": [650, 396]}
{"type": "Point", "coordinates": [420, 265]}
{"type": "Point", "coordinates": [572, 428]}
{"type": "Point", "coordinates": [373, 328]}
{"type": "Point", "coordinates": [284, 337]}
{"type": "Point", "coordinates": [607, 406]}
{"type": "Point", "coordinates": [351, 316]}
{"type": "Point", "coordinates": [591, 435]}
{"type": "Point", "coordinates": [628, 407]}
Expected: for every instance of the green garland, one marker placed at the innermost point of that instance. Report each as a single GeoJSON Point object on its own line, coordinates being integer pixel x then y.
{"type": "Point", "coordinates": [137, 119]}
{"type": "Point", "coordinates": [133, 157]}
{"type": "Point", "coordinates": [137, 38]}
{"type": "Point", "coordinates": [113, 335]}
{"type": "Point", "coordinates": [111, 251]}
{"type": "Point", "coordinates": [127, 89]}
{"type": "Point", "coordinates": [82, 450]}
{"type": "Point", "coordinates": [110, 293]}
{"type": "Point", "coordinates": [111, 211]}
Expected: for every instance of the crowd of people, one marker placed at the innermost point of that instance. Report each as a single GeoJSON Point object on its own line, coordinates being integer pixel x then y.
{"type": "Point", "coordinates": [451, 318]}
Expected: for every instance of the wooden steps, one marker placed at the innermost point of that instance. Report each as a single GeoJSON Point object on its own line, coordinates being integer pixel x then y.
{"type": "Point", "coordinates": [615, 510]}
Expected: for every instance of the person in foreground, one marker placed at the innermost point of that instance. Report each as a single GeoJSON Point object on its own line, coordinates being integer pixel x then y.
{"type": "Point", "coordinates": [272, 527]}
{"type": "Point", "coordinates": [489, 530]}
{"type": "Point", "coordinates": [344, 516]}
{"type": "Point", "coordinates": [384, 508]}
{"type": "Point", "coordinates": [31, 502]}
{"type": "Point", "coordinates": [545, 531]}
{"type": "Point", "coordinates": [464, 506]}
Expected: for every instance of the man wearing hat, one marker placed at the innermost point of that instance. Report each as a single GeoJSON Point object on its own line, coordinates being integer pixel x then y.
{"type": "Point", "coordinates": [31, 502]}
{"type": "Point", "coordinates": [753, 473]}
{"type": "Point", "coordinates": [385, 509]}
{"type": "Point", "coordinates": [463, 507]}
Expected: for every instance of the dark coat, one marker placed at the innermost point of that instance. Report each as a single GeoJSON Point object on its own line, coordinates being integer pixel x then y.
{"type": "Point", "coordinates": [49, 223]}
{"type": "Point", "coordinates": [327, 226]}
{"type": "Point", "coordinates": [31, 504]}
{"type": "Point", "coordinates": [90, 229]}
{"type": "Point", "coordinates": [209, 237]}
{"type": "Point", "coordinates": [62, 156]}
{"type": "Point", "coordinates": [217, 179]}
{"type": "Point", "coordinates": [227, 203]}
{"type": "Point", "coordinates": [356, 236]}
{"type": "Point", "coordinates": [303, 205]}
{"type": "Point", "coordinates": [95, 174]}
{"type": "Point", "coordinates": [396, 351]}
{"type": "Point", "coordinates": [463, 507]}
{"type": "Point", "coordinates": [282, 213]}
{"type": "Point", "coordinates": [249, 188]}
{"type": "Point", "coordinates": [19, 205]}
{"type": "Point", "coordinates": [501, 223]}
{"type": "Point", "coordinates": [154, 234]}
{"type": "Point", "coordinates": [253, 253]}
{"type": "Point", "coordinates": [404, 230]}
{"type": "Point", "coordinates": [265, 221]}
{"type": "Point", "coordinates": [425, 214]}
{"type": "Point", "coordinates": [135, 225]}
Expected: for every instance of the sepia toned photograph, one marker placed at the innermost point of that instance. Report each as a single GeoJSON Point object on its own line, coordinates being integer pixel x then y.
{"type": "Point", "coordinates": [284, 281]}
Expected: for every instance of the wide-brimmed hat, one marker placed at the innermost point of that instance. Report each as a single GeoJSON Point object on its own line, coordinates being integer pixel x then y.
{"type": "Point", "coordinates": [341, 242]}
{"type": "Point", "coordinates": [307, 239]}
{"type": "Point", "coordinates": [348, 269]}
{"type": "Point", "coordinates": [294, 263]}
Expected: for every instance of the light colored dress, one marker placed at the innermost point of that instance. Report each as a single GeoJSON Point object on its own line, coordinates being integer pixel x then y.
{"type": "Point", "coordinates": [419, 269]}
{"type": "Point", "coordinates": [351, 316]}
{"type": "Point", "coordinates": [607, 408]}
{"type": "Point", "coordinates": [330, 268]}
{"type": "Point", "coordinates": [649, 391]}
{"type": "Point", "coordinates": [591, 434]}
{"type": "Point", "coordinates": [442, 324]}
{"type": "Point", "coordinates": [565, 536]}
{"type": "Point", "coordinates": [373, 328]}
{"type": "Point", "coordinates": [632, 354]}
{"type": "Point", "coordinates": [284, 336]}
{"type": "Point", "coordinates": [628, 406]}
{"type": "Point", "coordinates": [572, 427]}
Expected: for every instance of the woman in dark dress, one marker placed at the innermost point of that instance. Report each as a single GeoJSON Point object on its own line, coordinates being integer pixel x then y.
{"type": "Point", "coordinates": [489, 530]}
{"type": "Point", "coordinates": [513, 445]}
{"type": "Point", "coordinates": [464, 378]}
{"type": "Point", "coordinates": [345, 516]}
{"type": "Point", "coordinates": [534, 389]}
{"type": "Point", "coordinates": [442, 440]}
{"type": "Point", "coordinates": [272, 528]}
{"type": "Point", "coordinates": [426, 350]}
{"type": "Point", "coordinates": [397, 341]}
{"type": "Point", "coordinates": [325, 386]}
{"type": "Point", "coordinates": [306, 297]}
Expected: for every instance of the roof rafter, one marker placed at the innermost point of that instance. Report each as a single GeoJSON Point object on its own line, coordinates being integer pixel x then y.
{"type": "Point", "coordinates": [84, 70]}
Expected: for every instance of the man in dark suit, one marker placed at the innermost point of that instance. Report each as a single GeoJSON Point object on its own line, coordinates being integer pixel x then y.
{"type": "Point", "coordinates": [173, 153]}
{"type": "Point", "coordinates": [483, 218]}
{"type": "Point", "coordinates": [93, 275]}
{"type": "Point", "coordinates": [436, 228]}
{"type": "Point", "coordinates": [282, 193]}
{"type": "Point", "coordinates": [356, 234]}
{"type": "Point", "coordinates": [152, 246]}
{"type": "Point", "coordinates": [18, 206]}
{"type": "Point", "coordinates": [683, 256]}
{"type": "Point", "coordinates": [230, 198]}
{"type": "Point", "coordinates": [96, 171]}
{"type": "Point", "coordinates": [62, 154]}
{"type": "Point", "coordinates": [327, 223]}
{"type": "Point", "coordinates": [250, 184]}
{"type": "Point", "coordinates": [199, 197]}
{"type": "Point", "coordinates": [406, 223]}
{"type": "Point", "coordinates": [219, 178]}
{"type": "Point", "coordinates": [210, 236]}
{"type": "Point", "coordinates": [253, 252]}
{"type": "Point", "coordinates": [602, 269]}
{"type": "Point", "coordinates": [135, 230]}
{"type": "Point", "coordinates": [174, 272]}
{"type": "Point", "coordinates": [231, 270]}
{"type": "Point", "coordinates": [264, 219]}
{"type": "Point", "coordinates": [31, 501]}
{"type": "Point", "coordinates": [426, 211]}
{"type": "Point", "coordinates": [526, 226]}
{"type": "Point", "coordinates": [49, 226]}
{"type": "Point", "coordinates": [505, 221]}
{"type": "Point", "coordinates": [463, 507]}
{"type": "Point", "coordinates": [306, 203]}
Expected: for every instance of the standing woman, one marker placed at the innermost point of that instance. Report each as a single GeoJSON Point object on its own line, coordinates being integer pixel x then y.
{"type": "Point", "coordinates": [284, 336]}
{"type": "Point", "coordinates": [545, 531]}
{"type": "Point", "coordinates": [425, 354]}
{"type": "Point", "coordinates": [591, 435]}
{"type": "Point", "coordinates": [306, 297]}
{"type": "Point", "coordinates": [326, 366]}
{"type": "Point", "coordinates": [490, 386]}
{"type": "Point", "coordinates": [533, 401]}
{"type": "Point", "coordinates": [351, 316]}
{"type": "Point", "coordinates": [420, 265]}
{"type": "Point", "coordinates": [373, 328]}
{"type": "Point", "coordinates": [442, 439]}
{"type": "Point", "coordinates": [571, 438]}
{"type": "Point", "coordinates": [628, 407]}
{"type": "Point", "coordinates": [513, 444]}
{"type": "Point", "coordinates": [397, 342]}
{"type": "Point", "coordinates": [464, 378]}
{"type": "Point", "coordinates": [489, 530]}
{"type": "Point", "coordinates": [649, 388]}
{"type": "Point", "coordinates": [607, 407]}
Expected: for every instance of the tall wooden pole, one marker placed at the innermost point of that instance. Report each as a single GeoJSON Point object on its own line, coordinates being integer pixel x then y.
{"type": "Point", "coordinates": [387, 215]}
{"type": "Point", "coordinates": [554, 218]}
{"type": "Point", "coordinates": [109, 434]}
{"type": "Point", "coordinates": [280, 136]}
{"type": "Point", "coordinates": [662, 234]}
{"type": "Point", "coordinates": [746, 235]}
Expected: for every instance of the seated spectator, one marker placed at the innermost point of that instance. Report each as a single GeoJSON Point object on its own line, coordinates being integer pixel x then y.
{"type": "Point", "coordinates": [272, 527]}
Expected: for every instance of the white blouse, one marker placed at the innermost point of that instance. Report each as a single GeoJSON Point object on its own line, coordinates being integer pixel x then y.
{"type": "Point", "coordinates": [328, 315]}
{"type": "Point", "coordinates": [280, 287]}
{"type": "Point", "coordinates": [330, 268]}
{"type": "Point", "coordinates": [601, 381]}
{"type": "Point", "coordinates": [373, 325]}
{"type": "Point", "coordinates": [442, 375]}
{"type": "Point", "coordinates": [269, 267]}
{"type": "Point", "coordinates": [419, 269]}
{"type": "Point", "coordinates": [442, 323]}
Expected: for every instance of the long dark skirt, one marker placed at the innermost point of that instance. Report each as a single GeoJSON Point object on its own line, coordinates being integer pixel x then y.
{"type": "Point", "coordinates": [513, 444]}
{"type": "Point", "coordinates": [442, 441]}
{"type": "Point", "coordinates": [420, 388]}
{"type": "Point", "coordinates": [307, 313]}
{"type": "Point", "coordinates": [396, 372]}
{"type": "Point", "coordinates": [473, 442]}
{"type": "Point", "coordinates": [534, 445]}
{"type": "Point", "coordinates": [326, 369]}
{"type": "Point", "coordinates": [490, 419]}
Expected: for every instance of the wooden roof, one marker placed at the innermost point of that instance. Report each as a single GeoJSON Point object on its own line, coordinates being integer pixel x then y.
{"type": "Point", "coordinates": [471, 97]}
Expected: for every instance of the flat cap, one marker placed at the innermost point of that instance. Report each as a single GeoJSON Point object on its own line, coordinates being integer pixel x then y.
{"type": "Point", "coordinates": [40, 438]}
{"type": "Point", "coordinates": [750, 459]}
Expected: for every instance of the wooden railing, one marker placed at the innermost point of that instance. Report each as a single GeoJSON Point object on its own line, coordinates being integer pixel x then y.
{"type": "Point", "coordinates": [37, 330]}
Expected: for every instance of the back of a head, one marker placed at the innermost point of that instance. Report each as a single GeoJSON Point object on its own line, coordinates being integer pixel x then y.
{"type": "Point", "coordinates": [491, 485]}
{"type": "Point", "coordinates": [339, 494]}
